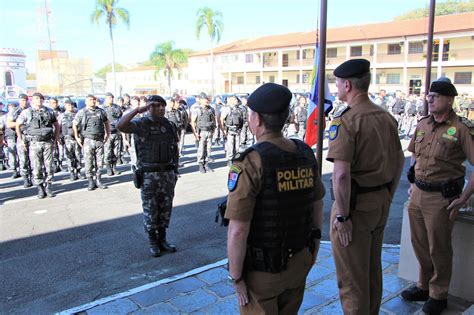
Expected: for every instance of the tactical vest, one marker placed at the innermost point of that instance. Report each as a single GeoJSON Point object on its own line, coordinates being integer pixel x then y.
{"type": "Point", "coordinates": [92, 123]}
{"type": "Point", "coordinates": [206, 119]}
{"type": "Point", "coordinates": [10, 133]}
{"type": "Point", "coordinates": [245, 113]}
{"type": "Point", "coordinates": [234, 119]}
{"type": "Point", "coordinates": [283, 210]}
{"type": "Point", "coordinates": [158, 146]}
{"type": "Point", "coordinates": [113, 115]}
{"type": "Point", "coordinates": [66, 124]}
{"type": "Point", "coordinates": [302, 114]}
{"type": "Point", "coordinates": [41, 125]}
{"type": "Point", "coordinates": [175, 117]}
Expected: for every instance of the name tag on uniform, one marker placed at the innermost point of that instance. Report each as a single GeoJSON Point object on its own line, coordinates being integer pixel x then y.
{"type": "Point", "coordinates": [295, 178]}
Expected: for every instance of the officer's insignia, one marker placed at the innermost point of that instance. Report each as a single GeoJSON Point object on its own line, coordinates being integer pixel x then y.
{"type": "Point", "coordinates": [333, 130]}
{"type": "Point", "coordinates": [233, 177]}
{"type": "Point", "coordinates": [449, 137]}
{"type": "Point", "coordinates": [451, 131]}
{"type": "Point", "coordinates": [163, 129]}
{"type": "Point", "coordinates": [336, 122]}
{"type": "Point", "coordinates": [420, 133]}
{"type": "Point", "coordinates": [341, 110]}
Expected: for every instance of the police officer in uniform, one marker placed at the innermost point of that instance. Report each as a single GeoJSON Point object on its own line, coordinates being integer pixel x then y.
{"type": "Point", "coordinates": [2, 137]}
{"type": "Point", "coordinates": [94, 125]}
{"type": "Point", "coordinates": [232, 121]}
{"type": "Point", "coordinates": [203, 122]}
{"type": "Point", "coordinates": [22, 149]}
{"type": "Point", "coordinates": [10, 140]}
{"type": "Point", "coordinates": [58, 147]}
{"type": "Point", "coordinates": [42, 129]}
{"type": "Point", "coordinates": [244, 134]}
{"type": "Point", "coordinates": [71, 147]}
{"type": "Point", "coordinates": [112, 147]}
{"type": "Point", "coordinates": [275, 209]}
{"type": "Point", "coordinates": [182, 107]}
{"type": "Point", "coordinates": [157, 165]}
{"type": "Point", "coordinates": [301, 116]}
{"type": "Point", "coordinates": [368, 160]}
{"type": "Point", "coordinates": [441, 143]}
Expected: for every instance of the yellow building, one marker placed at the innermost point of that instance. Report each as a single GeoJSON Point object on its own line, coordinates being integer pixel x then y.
{"type": "Point", "coordinates": [396, 50]}
{"type": "Point", "coordinates": [59, 74]}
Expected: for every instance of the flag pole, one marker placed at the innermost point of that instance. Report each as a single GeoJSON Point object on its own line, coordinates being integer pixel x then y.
{"type": "Point", "coordinates": [321, 82]}
{"type": "Point", "coordinates": [429, 53]}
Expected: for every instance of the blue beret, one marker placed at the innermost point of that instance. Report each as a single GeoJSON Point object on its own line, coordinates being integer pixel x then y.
{"type": "Point", "coordinates": [354, 68]}
{"type": "Point", "coordinates": [443, 86]}
{"type": "Point", "coordinates": [270, 98]}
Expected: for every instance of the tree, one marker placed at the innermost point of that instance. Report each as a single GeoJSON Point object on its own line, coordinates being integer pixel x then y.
{"type": "Point", "coordinates": [102, 72]}
{"type": "Point", "coordinates": [108, 9]}
{"type": "Point", "coordinates": [164, 57]}
{"type": "Point", "coordinates": [443, 8]}
{"type": "Point", "coordinates": [212, 21]}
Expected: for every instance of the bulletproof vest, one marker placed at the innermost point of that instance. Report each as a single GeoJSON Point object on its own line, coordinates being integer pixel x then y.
{"type": "Point", "coordinates": [206, 119]}
{"type": "Point", "coordinates": [283, 210]}
{"type": "Point", "coordinates": [66, 124]}
{"type": "Point", "coordinates": [245, 114]}
{"type": "Point", "coordinates": [9, 132]}
{"type": "Point", "coordinates": [158, 144]}
{"type": "Point", "coordinates": [113, 115]}
{"type": "Point", "coordinates": [184, 115]}
{"type": "Point", "coordinates": [175, 117]}
{"type": "Point", "coordinates": [302, 114]}
{"type": "Point", "coordinates": [41, 124]}
{"type": "Point", "coordinates": [93, 124]}
{"type": "Point", "coordinates": [398, 107]}
{"type": "Point", "coordinates": [412, 109]}
{"type": "Point", "coordinates": [234, 119]}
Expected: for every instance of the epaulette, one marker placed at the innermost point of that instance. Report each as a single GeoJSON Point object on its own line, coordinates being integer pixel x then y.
{"type": "Point", "coordinates": [467, 122]}
{"type": "Point", "coordinates": [423, 117]}
{"type": "Point", "coordinates": [240, 156]}
{"type": "Point", "coordinates": [341, 111]}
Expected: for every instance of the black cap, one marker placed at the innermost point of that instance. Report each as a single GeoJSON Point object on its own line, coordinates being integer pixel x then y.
{"type": "Point", "coordinates": [126, 95]}
{"type": "Point", "coordinates": [136, 98]}
{"type": "Point", "coordinates": [354, 68]}
{"type": "Point", "coordinates": [109, 94]}
{"type": "Point", "coordinates": [92, 96]}
{"type": "Point", "coordinates": [23, 96]}
{"type": "Point", "coordinates": [203, 95]}
{"type": "Point", "coordinates": [68, 101]}
{"type": "Point", "coordinates": [155, 99]}
{"type": "Point", "coordinates": [39, 95]}
{"type": "Point", "coordinates": [443, 86]}
{"type": "Point", "coordinates": [270, 98]}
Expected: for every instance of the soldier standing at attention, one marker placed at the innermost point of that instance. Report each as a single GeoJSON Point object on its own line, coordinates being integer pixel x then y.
{"type": "Point", "coordinates": [71, 147]}
{"type": "Point", "coordinates": [93, 123]}
{"type": "Point", "coordinates": [112, 147]}
{"type": "Point", "coordinates": [156, 140]}
{"type": "Point", "coordinates": [42, 129]}
{"type": "Point", "coordinates": [244, 135]}
{"type": "Point", "coordinates": [10, 140]}
{"type": "Point", "coordinates": [275, 209]}
{"type": "Point", "coordinates": [183, 109]}
{"type": "Point", "coordinates": [203, 122]}
{"type": "Point", "coordinates": [58, 147]}
{"type": "Point", "coordinates": [232, 121]}
{"type": "Point", "coordinates": [301, 116]}
{"type": "Point", "coordinates": [440, 145]}
{"type": "Point", "coordinates": [368, 160]}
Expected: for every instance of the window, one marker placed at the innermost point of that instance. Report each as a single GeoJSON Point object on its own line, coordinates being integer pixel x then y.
{"type": "Point", "coordinates": [394, 49]}
{"type": "Point", "coordinates": [377, 78]}
{"type": "Point", "coordinates": [305, 78]}
{"type": "Point", "coordinates": [297, 78]}
{"type": "Point", "coordinates": [297, 55]}
{"type": "Point", "coordinates": [240, 80]}
{"type": "Point", "coordinates": [306, 53]}
{"type": "Point", "coordinates": [272, 79]}
{"type": "Point", "coordinates": [330, 78]}
{"type": "Point", "coordinates": [249, 58]}
{"type": "Point", "coordinates": [331, 53]}
{"type": "Point", "coordinates": [415, 48]}
{"type": "Point", "coordinates": [462, 77]}
{"type": "Point", "coordinates": [356, 51]}
{"type": "Point", "coordinates": [257, 79]}
{"type": "Point", "coordinates": [393, 78]}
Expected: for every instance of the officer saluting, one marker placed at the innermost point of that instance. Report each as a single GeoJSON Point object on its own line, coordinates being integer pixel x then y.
{"type": "Point", "coordinates": [156, 140]}
{"type": "Point", "coordinates": [275, 211]}
{"type": "Point", "coordinates": [441, 144]}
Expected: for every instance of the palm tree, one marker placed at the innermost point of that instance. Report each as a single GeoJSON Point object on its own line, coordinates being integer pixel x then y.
{"type": "Point", "coordinates": [109, 10]}
{"type": "Point", "coordinates": [164, 57]}
{"type": "Point", "coordinates": [212, 21]}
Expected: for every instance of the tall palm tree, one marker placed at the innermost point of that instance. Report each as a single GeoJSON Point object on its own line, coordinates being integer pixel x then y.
{"type": "Point", "coordinates": [212, 20]}
{"type": "Point", "coordinates": [108, 9]}
{"type": "Point", "coordinates": [164, 57]}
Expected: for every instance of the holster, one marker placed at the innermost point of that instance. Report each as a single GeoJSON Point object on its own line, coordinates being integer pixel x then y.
{"type": "Point", "coordinates": [266, 260]}
{"type": "Point", "coordinates": [137, 177]}
{"type": "Point", "coordinates": [411, 173]}
{"type": "Point", "coordinates": [452, 188]}
{"type": "Point", "coordinates": [220, 213]}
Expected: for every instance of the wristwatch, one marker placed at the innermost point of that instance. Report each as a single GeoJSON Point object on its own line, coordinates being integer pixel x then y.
{"type": "Point", "coordinates": [343, 218]}
{"type": "Point", "coordinates": [234, 281]}
{"type": "Point", "coordinates": [315, 234]}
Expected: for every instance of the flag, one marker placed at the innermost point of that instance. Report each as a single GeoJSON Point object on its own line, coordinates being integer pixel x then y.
{"type": "Point", "coordinates": [311, 137]}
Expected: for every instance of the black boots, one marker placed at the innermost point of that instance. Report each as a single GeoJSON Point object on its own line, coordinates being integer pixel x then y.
{"type": "Point", "coordinates": [114, 169]}
{"type": "Point", "coordinates": [91, 184]}
{"type": "Point", "coordinates": [49, 191]}
{"type": "Point", "coordinates": [163, 244]}
{"type": "Point", "coordinates": [72, 176]}
{"type": "Point", "coordinates": [110, 172]}
{"type": "Point", "coordinates": [154, 247]}
{"type": "Point", "coordinates": [99, 182]}
{"type": "Point", "coordinates": [201, 168]}
{"type": "Point", "coordinates": [208, 168]}
{"type": "Point", "coordinates": [41, 192]}
{"type": "Point", "coordinates": [415, 294]}
{"type": "Point", "coordinates": [434, 306]}
{"type": "Point", "coordinates": [26, 182]}
{"type": "Point", "coordinates": [15, 174]}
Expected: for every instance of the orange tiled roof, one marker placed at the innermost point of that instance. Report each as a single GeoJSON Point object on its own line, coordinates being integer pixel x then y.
{"type": "Point", "coordinates": [443, 24]}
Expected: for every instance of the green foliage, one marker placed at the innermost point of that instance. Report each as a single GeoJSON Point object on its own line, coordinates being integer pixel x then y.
{"type": "Point", "coordinates": [101, 73]}
{"type": "Point", "coordinates": [109, 10]}
{"type": "Point", "coordinates": [441, 8]}
{"type": "Point", "coordinates": [212, 20]}
{"type": "Point", "coordinates": [166, 58]}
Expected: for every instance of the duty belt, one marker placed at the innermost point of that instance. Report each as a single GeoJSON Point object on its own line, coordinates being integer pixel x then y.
{"type": "Point", "coordinates": [269, 260]}
{"type": "Point", "coordinates": [158, 168]}
{"type": "Point", "coordinates": [94, 137]}
{"type": "Point", "coordinates": [40, 138]}
{"type": "Point", "coordinates": [428, 186]}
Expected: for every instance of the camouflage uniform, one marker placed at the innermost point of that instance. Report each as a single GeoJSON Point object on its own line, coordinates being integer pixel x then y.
{"type": "Point", "coordinates": [72, 149]}
{"type": "Point", "coordinates": [23, 151]}
{"type": "Point", "coordinates": [10, 140]}
{"type": "Point", "coordinates": [112, 148]}
{"type": "Point", "coordinates": [93, 156]}
{"type": "Point", "coordinates": [206, 124]}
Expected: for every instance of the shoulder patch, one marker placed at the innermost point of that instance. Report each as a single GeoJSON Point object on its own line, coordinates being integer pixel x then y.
{"type": "Point", "coordinates": [469, 124]}
{"type": "Point", "coordinates": [333, 131]}
{"type": "Point", "coordinates": [233, 178]}
{"type": "Point", "coordinates": [341, 111]}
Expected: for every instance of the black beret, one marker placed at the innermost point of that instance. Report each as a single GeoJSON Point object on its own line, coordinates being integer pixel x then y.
{"type": "Point", "coordinates": [39, 95]}
{"type": "Point", "coordinates": [270, 98]}
{"type": "Point", "coordinates": [136, 98]}
{"type": "Point", "coordinates": [444, 87]}
{"type": "Point", "coordinates": [126, 95]}
{"type": "Point", "coordinates": [23, 96]}
{"type": "Point", "coordinates": [109, 94]}
{"type": "Point", "coordinates": [68, 101]}
{"type": "Point", "coordinates": [354, 68]}
{"type": "Point", "coordinates": [155, 99]}
{"type": "Point", "coordinates": [203, 95]}
{"type": "Point", "coordinates": [91, 96]}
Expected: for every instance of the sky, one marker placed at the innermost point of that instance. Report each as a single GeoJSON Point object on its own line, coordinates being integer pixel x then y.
{"type": "Point", "coordinates": [23, 24]}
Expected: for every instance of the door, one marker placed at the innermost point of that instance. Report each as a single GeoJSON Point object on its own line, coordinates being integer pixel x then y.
{"type": "Point", "coordinates": [285, 60]}
{"type": "Point", "coordinates": [284, 82]}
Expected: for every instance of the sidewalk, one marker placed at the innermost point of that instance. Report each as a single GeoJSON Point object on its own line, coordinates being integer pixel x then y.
{"type": "Point", "coordinates": [206, 290]}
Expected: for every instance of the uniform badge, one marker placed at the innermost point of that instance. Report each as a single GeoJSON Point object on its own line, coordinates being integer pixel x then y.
{"type": "Point", "coordinates": [333, 130]}
{"type": "Point", "coordinates": [451, 131]}
{"type": "Point", "coordinates": [163, 129]}
{"type": "Point", "coordinates": [233, 177]}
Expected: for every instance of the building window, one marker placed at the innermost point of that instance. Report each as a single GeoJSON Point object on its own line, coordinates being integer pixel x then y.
{"type": "Point", "coordinates": [331, 53]}
{"type": "Point", "coordinates": [297, 55]}
{"type": "Point", "coordinates": [356, 51]}
{"type": "Point", "coordinates": [305, 78]}
{"type": "Point", "coordinates": [394, 49]}
{"type": "Point", "coordinates": [240, 80]}
{"type": "Point", "coordinates": [249, 58]}
{"type": "Point", "coordinates": [306, 53]}
{"type": "Point", "coordinates": [377, 78]}
{"type": "Point", "coordinates": [415, 48]}
{"type": "Point", "coordinates": [272, 79]}
{"type": "Point", "coordinates": [393, 78]}
{"type": "Point", "coordinates": [462, 77]}
{"type": "Point", "coordinates": [330, 78]}
{"type": "Point", "coordinates": [8, 78]}
{"type": "Point", "coordinates": [297, 78]}
{"type": "Point", "coordinates": [257, 79]}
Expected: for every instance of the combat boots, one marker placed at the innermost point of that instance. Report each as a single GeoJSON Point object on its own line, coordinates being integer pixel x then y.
{"type": "Point", "coordinates": [49, 190]}
{"type": "Point", "coordinates": [208, 168]}
{"type": "Point", "coordinates": [41, 192]}
{"type": "Point", "coordinates": [91, 185]}
{"type": "Point", "coordinates": [71, 176]}
{"type": "Point", "coordinates": [163, 244]}
{"type": "Point", "coordinates": [154, 246]}
{"type": "Point", "coordinates": [15, 174]}
{"type": "Point", "coordinates": [114, 169]}
{"type": "Point", "coordinates": [110, 172]}
{"type": "Point", "coordinates": [26, 182]}
{"type": "Point", "coordinates": [201, 168]}
{"type": "Point", "coordinates": [99, 182]}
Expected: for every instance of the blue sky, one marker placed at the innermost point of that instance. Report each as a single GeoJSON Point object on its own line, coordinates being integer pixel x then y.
{"type": "Point", "coordinates": [22, 25]}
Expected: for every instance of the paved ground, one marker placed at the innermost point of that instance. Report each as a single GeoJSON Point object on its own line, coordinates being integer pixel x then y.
{"type": "Point", "coordinates": [207, 291]}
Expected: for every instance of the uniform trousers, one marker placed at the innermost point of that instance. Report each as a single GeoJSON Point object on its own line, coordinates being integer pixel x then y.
{"type": "Point", "coordinates": [23, 156]}
{"type": "Point", "coordinates": [431, 238]}
{"type": "Point", "coordinates": [244, 135]}
{"type": "Point", "coordinates": [278, 293]}
{"type": "Point", "coordinates": [301, 130]}
{"type": "Point", "coordinates": [181, 134]}
{"type": "Point", "coordinates": [204, 149]}
{"type": "Point", "coordinates": [93, 156]}
{"type": "Point", "coordinates": [112, 151]}
{"type": "Point", "coordinates": [358, 266]}
{"type": "Point", "coordinates": [41, 156]}
{"type": "Point", "coordinates": [73, 153]}
{"type": "Point", "coordinates": [11, 153]}
{"type": "Point", "coordinates": [232, 144]}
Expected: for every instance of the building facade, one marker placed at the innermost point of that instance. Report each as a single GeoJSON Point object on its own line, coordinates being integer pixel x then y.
{"type": "Point", "coordinates": [396, 50]}
{"type": "Point", "coordinates": [12, 72]}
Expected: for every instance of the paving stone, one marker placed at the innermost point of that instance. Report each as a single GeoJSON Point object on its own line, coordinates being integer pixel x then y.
{"type": "Point", "coordinates": [328, 263]}
{"type": "Point", "coordinates": [227, 306]}
{"type": "Point", "coordinates": [214, 275]}
{"type": "Point", "coordinates": [193, 301]}
{"type": "Point", "coordinates": [399, 306]}
{"type": "Point", "coordinates": [326, 246]}
{"type": "Point", "coordinates": [187, 284]}
{"type": "Point", "coordinates": [385, 265]}
{"type": "Point", "coordinates": [160, 308]}
{"type": "Point", "coordinates": [385, 293]}
{"type": "Point", "coordinates": [154, 295]}
{"type": "Point", "coordinates": [323, 253]}
{"type": "Point", "coordinates": [391, 258]}
{"type": "Point", "coordinates": [311, 300]}
{"type": "Point", "coordinates": [121, 306]}
{"type": "Point", "coordinates": [392, 250]}
{"type": "Point", "coordinates": [334, 308]}
{"type": "Point", "coordinates": [393, 283]}
{"type": "Point", "coordinates": [316, 273]}
{"type": "Point", "coordinates": [326, 288]}
{"type": "Point", "coordinates": [221, 289]}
